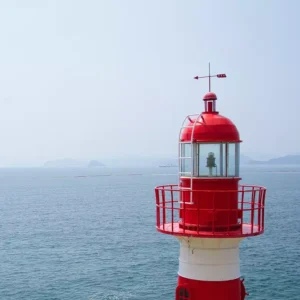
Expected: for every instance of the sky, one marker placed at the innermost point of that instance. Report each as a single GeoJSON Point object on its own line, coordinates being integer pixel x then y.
{"type": "Point", "coordinates": [93, 79]}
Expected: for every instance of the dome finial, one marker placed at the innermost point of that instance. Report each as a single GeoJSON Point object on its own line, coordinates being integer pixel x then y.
{"type": "Point", "coordinates": [210, 97]}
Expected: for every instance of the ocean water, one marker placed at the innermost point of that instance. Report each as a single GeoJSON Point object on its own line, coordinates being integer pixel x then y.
{"type": "Point", "coordinates": [90, 234]}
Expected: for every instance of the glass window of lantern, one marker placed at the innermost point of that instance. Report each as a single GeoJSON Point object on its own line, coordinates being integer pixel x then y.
{"type": "Point", "coordinates": [185, 167]}
{"type": "Point", "coordinates": [211, 160]}
{"type": "Point", "coordinates": [233, 159]}
{"type": "Point", "coordinates": [185, 150]}
{"type": "Point", "coordinates": [185, 159]}
{"type": "Point", "coordinates": [216, 160]}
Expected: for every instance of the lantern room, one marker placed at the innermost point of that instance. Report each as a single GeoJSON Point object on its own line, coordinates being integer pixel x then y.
{"type": "Point", "coordinates": [209, 155]}
{"type": "Point", "coordinates": [209, 144]}
{"type": "Point", "coordinates": [208, 211]}
{"type": "Point", "coordinates": [208, 200]}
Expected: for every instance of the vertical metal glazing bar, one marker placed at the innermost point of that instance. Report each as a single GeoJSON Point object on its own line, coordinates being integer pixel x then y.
{"type": "Point", "coordinates": [237, 159]}
{"type": "Point", "coordinates": [195, 161]}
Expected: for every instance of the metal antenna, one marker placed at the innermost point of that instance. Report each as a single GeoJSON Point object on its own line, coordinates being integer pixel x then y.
{"type": "Point", "coordinates": [210, 76]}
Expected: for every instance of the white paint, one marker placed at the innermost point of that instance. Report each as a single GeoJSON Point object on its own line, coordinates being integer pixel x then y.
{"type": "Point", "coordinates": [209, 259]}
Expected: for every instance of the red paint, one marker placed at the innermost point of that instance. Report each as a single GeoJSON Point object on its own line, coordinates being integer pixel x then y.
{"type": "Point", "coordinates": [209, 107]}
{"type": "Point", "coordinates": [210, 290]}
{"type": "Point", "coordinates": [210, 211]}
{"type": "Point", "coordinates": [211, 127]}
{"type": "Point", "coordinates": [210, 96]}
{"type": "Point", "coordinates": [241, 215]}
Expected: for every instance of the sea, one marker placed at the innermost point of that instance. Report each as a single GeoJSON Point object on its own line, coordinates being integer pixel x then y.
{"type": "Point", "coordinates": [90, 234]}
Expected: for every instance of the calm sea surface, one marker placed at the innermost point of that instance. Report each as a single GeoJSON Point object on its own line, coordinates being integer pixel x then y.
{"type": "Point", "coordinates": [90, 234]}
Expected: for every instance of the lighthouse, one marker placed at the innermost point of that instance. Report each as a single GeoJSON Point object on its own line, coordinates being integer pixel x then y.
{"type": "Point", "coordinates": [208, 210]}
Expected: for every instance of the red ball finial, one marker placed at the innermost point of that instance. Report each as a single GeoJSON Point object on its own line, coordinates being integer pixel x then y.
{"type": "Point", "coordinates": [210, 96]}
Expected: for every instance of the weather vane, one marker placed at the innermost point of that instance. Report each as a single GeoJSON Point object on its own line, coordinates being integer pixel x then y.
{"type": "Point", "coordinates": [210, 76]}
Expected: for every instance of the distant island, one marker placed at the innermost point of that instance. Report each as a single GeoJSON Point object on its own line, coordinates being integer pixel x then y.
{"type": "Point", "coordinates": [159, 162]}
{"type": "Point", "coordinates": [284, 160]}
{"type": "Point", "coordinates": [246, 160]}
{"type": "Point", "coordinates": [168, 166]}
{"type": "Point", "coordinates": [95, 163]}
{"type": "Point", "coordinates": [72, 163]}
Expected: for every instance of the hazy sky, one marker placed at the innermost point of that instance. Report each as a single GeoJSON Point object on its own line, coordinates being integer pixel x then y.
{"type": "Point", "coordinates": [91, 79]}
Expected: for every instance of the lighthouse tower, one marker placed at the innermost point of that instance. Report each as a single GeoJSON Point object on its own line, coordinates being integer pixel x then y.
{"type": "Point", "coordinates": [208, 211]}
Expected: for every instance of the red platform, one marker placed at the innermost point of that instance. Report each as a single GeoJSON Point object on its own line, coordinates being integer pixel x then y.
{"type": "Point", "coordinates": [171, 209]}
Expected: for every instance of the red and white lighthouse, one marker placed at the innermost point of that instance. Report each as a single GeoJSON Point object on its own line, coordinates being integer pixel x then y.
{"type": "Point", "coordinates": [209, 211]}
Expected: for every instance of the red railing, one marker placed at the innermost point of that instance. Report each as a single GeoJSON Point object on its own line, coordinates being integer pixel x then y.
{"type": "Point", "coordinates": [244, 218]}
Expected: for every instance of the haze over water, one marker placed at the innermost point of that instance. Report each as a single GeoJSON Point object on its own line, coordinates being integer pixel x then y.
{"type": "Point", "coordinates": [90, 234]}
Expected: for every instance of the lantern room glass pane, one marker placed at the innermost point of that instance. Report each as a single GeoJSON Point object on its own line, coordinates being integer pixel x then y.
{"type": "Point", "coordinates": [211, 160]}
{"type": "Point", "coordinates": [185, 159]}
{"type": "Point", "coordinates": [233, 160]}
{"type": "Point", "coordinates": [185, 150]}
{"type": "Point", "coordinates": [185, 167]}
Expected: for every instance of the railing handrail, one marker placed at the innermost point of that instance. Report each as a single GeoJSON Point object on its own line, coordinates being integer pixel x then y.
{"type": "Point", "coordinates": [170, 187]}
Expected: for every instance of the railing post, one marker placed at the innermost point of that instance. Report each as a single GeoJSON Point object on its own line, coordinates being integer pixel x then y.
{"type": "Point", "coordinates": [259, 208]}
{"type": "Point", "coordinates": [252, 207]}
{"type": "Point", "coordinates": [263, 209]}
{"type": "Point", "coordinates": [172, 208]}
{"type": "Point", "coordinates": [157, 208]}
{"type": "Point", "coordinates": [242, 207]}
{"type": "Point", "coordinates": [164, 206]}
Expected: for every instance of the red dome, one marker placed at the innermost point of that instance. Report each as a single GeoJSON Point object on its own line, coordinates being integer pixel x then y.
{"type": "Point", "coordinates": [211, 127]}
{"type": "Point", "coordinates": [210, 96]}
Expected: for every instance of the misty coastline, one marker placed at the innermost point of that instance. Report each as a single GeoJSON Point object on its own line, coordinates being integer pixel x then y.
{"type": "Point", "coordinates": [158, 162]}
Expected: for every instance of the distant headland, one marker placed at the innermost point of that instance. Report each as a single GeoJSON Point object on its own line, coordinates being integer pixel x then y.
{"type": "Point", "coordinates": [283, 160]}
{"type": "Point", "coordinates": [246, 160]}
{"type": "Point", "coordinates": [95, 163]}
{"type": "Point", "coordinates": [159, 162]}
{"type": "Point", "coordinates": [72, 163]}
